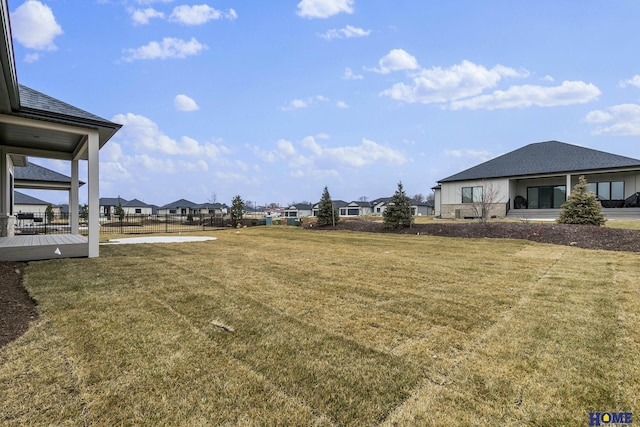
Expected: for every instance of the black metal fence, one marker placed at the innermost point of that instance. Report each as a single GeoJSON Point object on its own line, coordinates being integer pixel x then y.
{"type": "Point", "coordinates": [40, 223]}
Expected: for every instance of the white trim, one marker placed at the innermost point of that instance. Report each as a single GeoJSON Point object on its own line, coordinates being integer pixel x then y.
{"type": "Point", "coordinates": [94, 194]}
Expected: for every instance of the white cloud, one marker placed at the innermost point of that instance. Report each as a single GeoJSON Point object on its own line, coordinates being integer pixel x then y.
{"type": "Point", "coordinates": [309, 156]}
{"type": "Point", "coordinates": [548, 78]}
{"type": "Point", "coordinates": [142, 134]}
{"type": "Point", "coordinates": [184, 103]}
{"type": "Point", "coordinates": [345, 33]}
{"type": "Point", "coordinates": [199, 14]}
{"type": "Point", "coordinates": [143, 16]}
{"type": "Point", "coordinates": [396, 60]}
{"type": "Point", "coordinates": [324, 8]}
{"type": "Point", "coordinates": [437, 85]}
{"type": "Point", "coordinates": [34, 26]}
{"type": "Point", "coordinates": [342, 104]}
{"type": "Point", "coordinates": [168, 48]}
{"type": "Point", "coordinates": [633, 81]}
{"type": "Point", "coordinates": [622, 120]}
{"type": "Point", "coordinates": [30, 58]}
{"type": "Point", "coordinates": [481, 155]}
{"type": "Point", "coordinates": [348, 75]}
{"type": "Point", "coordinates": [303, 103]}
{"type": "Point", "coordinates": [153, 1]}
{"type": "Point", "coordinates": [568, 93]}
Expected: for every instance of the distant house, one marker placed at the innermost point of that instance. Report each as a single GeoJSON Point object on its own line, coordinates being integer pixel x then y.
{"type": "Point", "coordinates": [336, 204]}
{"type": "Point", "coordinates": [216, 209]}
{"type": "Point", "coordinates": [179, 207]}
{"type": "Point", "coordinates": [357, 208]}
{"type": "Point", "coordinates": [298, 210]}
{"type": "Point", "coordinates": [535, 180]}
{"type": "Point", "coordinates": [32, 205]}
{"type": "Point", "coordinates": [422, 208]}
{"type": "Point", "coordinates": [108, 205]}
{"type": "Point", "coordinates": [136, 207]}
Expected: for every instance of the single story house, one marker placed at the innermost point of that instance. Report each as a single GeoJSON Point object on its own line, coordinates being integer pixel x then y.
{"type": "Point", "coordinates": [181, 207]}
{"type": "Point", "coordinates": [535, 180]}
{"type": "Point", "coordinates": [357, 208]}
{"type": "Point", "coordinates": [33, 124]}
{"type": "Point", "coordinates": [108, 206]}
{"type": "Point", "coordinates": [336, 204]}
{"type": "Point", "coordinates": [298, 210]}
{"type": "Point", "coordinates": [137, 207]}
{"type": "Point", "coordinates": [216, 209]}
{"type": "Point", "coordinates": [24, 203]}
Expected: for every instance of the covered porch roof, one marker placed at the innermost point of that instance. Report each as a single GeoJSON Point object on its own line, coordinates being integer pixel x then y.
{"type": "Point", "coordinates": [35, 124]}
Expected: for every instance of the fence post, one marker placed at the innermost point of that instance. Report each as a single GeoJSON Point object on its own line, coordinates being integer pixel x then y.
{"type": "Point", "coordinates": [166, 223]}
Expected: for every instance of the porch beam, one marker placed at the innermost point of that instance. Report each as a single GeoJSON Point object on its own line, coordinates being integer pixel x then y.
{"type": "Point", "coordinates": [568, 184]}
{"type": "Point", "coordinates": [41, 124]}
{"type": "Point", "coordinates": [4, 183]}
{"type": "Point", "coordinates": [80, 150]}
{"type": "Point", "coordinates": [34, 152]}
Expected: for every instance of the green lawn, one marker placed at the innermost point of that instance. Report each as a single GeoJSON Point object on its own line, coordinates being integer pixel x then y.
{"type": "Point", "coordinates": [284, 326]}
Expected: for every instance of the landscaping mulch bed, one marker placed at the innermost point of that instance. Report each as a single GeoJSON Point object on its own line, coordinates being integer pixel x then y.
{"type": "Point", "coordinates": [583, 236]}
{"type": "Point", "coordinates": [17, 308]}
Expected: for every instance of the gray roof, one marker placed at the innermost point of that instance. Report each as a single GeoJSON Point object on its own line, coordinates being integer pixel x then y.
{"type": "Point", "coordinates": [33, 172]}
{"type": "Point", "coordinates": [32, 99]}
{"type": "Point", "coordinates": [300, 207]}
{"type": "Point", "coordinates": [112, 201]}
{"type": "Point", "coordinates": [209, 206]}
{"type": "Point", "coordinates": [135, 203]}
{"type": "Point", "coordinates": [182, 203]}
{"type": "Point", "coordinates": [545, 158]}
{"type": "Point", "coordinates": [24, 199]}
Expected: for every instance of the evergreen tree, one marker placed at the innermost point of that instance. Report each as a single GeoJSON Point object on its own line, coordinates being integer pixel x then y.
{"type": "Point", "coordinates": [581, 207]}
{"type": "Point", "coordinates": [398, 211]}
{"type": "Point", "coordinates": [119, 211]}
{"type": "Point", "coordinates": [48, 212]}
{"type": "Point", "coordinates": [327, 213]}
{"type": "Point", "coordinates": [237, 210]}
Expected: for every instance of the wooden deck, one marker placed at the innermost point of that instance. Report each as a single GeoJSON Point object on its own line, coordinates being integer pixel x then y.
{"type": "Point", "coordinates": [43, 246]}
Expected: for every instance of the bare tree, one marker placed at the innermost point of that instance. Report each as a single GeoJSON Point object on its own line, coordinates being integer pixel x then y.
{"type": "Point", "coordinates": [481, 206]}
{"type": "Point", "coordinates": [213, 198]}
{"type": "Point", "coordinates": [418, 198]}
{"type": "Point", "coordinates": [363, 198]}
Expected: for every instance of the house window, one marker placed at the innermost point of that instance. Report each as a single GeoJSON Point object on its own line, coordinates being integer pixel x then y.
{"type": "Point", "coordinates": [353, 212]}
{"type": "Point", "coordinates": [546, 197]}
{"type": "Point", "coordinates": [138, 210]}
{"type": "Point", "coordinates": [173, 211]}
{"type": "Point", "coordinates": [607, 190]}
{"type": "Point", "coordinates": [343, 211]}
{"type": "Point", "coordinates": [471, 194]}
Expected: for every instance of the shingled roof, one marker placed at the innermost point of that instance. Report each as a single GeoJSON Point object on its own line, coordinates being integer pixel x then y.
{"type": "Point", "coordinates": [25, 199]}
{"type": "Point", "coordinates": [545, 158]}
{"type": "Point", "coordinates": [34, 100]}
{"type": "Point", "coordinates": [33, 172]}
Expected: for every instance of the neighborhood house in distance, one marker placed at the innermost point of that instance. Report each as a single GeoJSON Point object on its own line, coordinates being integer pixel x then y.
{"type": "Point", "coordinates": [535, 180]}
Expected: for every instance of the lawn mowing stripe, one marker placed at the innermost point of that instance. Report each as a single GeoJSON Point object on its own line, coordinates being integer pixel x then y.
{"type": "Point", "coordinates": [530, 345]}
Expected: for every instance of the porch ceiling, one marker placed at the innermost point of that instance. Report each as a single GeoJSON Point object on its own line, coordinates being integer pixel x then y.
{"type": "Point", "coordinates": [31, 138]}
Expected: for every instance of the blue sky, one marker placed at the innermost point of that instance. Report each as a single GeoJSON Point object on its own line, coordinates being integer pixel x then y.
{"type": "Point", "coordinates": [273, 100]}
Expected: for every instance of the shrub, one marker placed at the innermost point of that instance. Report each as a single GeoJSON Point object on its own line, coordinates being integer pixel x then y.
{"type": "Point", "coordinates": [581, 207]}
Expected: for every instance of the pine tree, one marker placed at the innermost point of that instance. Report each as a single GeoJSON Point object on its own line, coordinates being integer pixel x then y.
{"type": "Point", "coordinates": [327, 213]}
{"type": "Point", "coordinates": [398, 211]}
{"type": "Point", "coordinates": [581, 207]}
{"type": "Point", "coordinates": [237, 210]}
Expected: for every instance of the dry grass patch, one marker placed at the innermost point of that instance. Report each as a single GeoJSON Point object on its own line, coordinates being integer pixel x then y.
{"type": "Point", "coordinates": [292, 327]}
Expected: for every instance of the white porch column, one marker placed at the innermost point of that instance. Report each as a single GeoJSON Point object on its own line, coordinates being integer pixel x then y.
{"type": "Point", "coordinates": [568, 185]}
{"type": "Point", "coordinates": [93, 193]}
{"type": "Point", "coordinates": [4, 183]}
{"type": "Point", "coordinates": [74, 217]}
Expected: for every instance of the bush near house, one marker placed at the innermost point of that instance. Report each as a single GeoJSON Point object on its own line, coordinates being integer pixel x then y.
{"type": "Point", "coordinates": [581, 207]}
